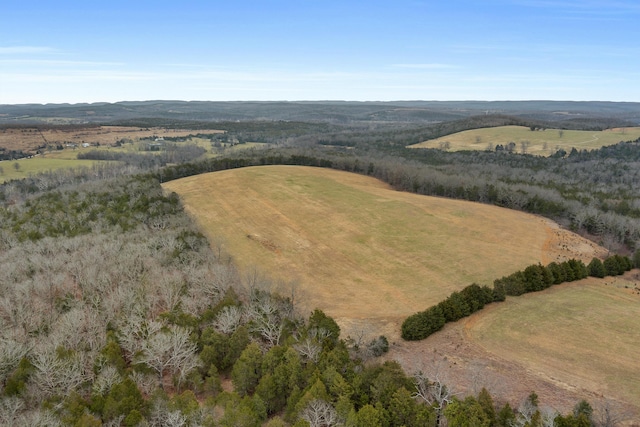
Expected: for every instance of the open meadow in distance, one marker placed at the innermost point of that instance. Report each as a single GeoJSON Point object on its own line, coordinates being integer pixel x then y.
{"type": "Point", "coordinates": [76, 139]}
{"type": "Point", "coordinates": [28, 139]}
{"type": "Point", "coordinates": [539, 142]}
{"type": "Point", "coordinates": [361, 251]}
{"type": "Point", "coordinates": [18, 169]}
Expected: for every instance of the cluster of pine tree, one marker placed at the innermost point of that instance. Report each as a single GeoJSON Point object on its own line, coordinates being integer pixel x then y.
{"type": "Point", "coordinates": [534, 278]}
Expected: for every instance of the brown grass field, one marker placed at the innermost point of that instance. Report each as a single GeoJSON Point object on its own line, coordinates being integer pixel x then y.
{"type": "Point", "coordinates": [369, 256]}
{"type": "Point", "coordinates": [543, 143]}
{"type": "Point", "coordinates": [364, 253]}
{"type": "Point", "coordinates": [570, 342]}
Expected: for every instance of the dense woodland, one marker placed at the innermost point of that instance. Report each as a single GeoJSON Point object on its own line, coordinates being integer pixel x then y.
{"type": "Point", "coordinates": [115, 310]}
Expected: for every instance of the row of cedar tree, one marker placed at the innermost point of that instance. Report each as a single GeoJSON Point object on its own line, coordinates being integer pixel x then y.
{"type": "Point", "coordinates": [533, 278]}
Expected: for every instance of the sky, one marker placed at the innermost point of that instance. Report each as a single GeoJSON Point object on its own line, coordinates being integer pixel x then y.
{"type": "Point", "coordinates": [291, 50]}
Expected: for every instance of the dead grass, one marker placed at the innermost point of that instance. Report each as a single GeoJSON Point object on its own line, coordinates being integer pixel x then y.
{"type": "Point", "coordinates": [369, 256]}
{"type": "Point", "coordinates": [570, 342]}
{"type": "Point", "coordinates": [582, 336]}
{"type": "Point", "coordinates": [366, 254]}
{"type": "Point", "coordinates": [540, 142]}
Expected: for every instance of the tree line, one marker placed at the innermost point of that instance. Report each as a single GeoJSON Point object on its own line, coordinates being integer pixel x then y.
{"type": "Point", "coordinates": [594, 193]}
{"type": "Point", "coordinates": [533, 278]}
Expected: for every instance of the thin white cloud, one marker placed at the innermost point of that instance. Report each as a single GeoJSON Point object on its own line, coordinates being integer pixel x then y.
{"type": "Point", "coordinates": [57, 63]}
{"type": "Point", "coordinates": [25, 50]}
{"type": "Point", "coordinates": [428, 66]}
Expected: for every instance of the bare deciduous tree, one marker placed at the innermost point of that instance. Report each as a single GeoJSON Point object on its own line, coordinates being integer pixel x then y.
{"type": "Point", "coordinates": [309, 348]}
{"type": "Point", "coordinates": [106, 379]}
{"type": "Point", "coordinates": [320, 413]}
{"type": "Point", "coordinates": [228, 320]}
{"type": "Point", "coordinates": [608, 413]}
{"type": "Point", "coordinates": [267, 315]}
{"type": "Point", "coordinates": [434, 392]}
{"type": "Point", "coordinates": [57, 374]}
{"type": "Point", "coordinates": [170, 288]}
{"type": "Point", "coordinates": [10, 408]}
{"type": "Point", "coordinates": [170, 349]}
{"type": "Point", "coordinates": [161, 415]}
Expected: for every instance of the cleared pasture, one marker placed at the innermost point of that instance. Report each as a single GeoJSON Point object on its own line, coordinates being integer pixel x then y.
{"type": "Point", "coordinates": [36, 165]}
{"type": "Point", "coordinates": [29, 139]}
{"type": "Point", "coordinates": [581, 336]}
{"type": "Point", "coordinates": [359, 250]}
{"type": "Point", "coordinates": [540, 142]}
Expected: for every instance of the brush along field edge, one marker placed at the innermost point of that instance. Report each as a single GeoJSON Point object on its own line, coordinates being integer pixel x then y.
{"type": "Point", "coordinates": [364, 253]}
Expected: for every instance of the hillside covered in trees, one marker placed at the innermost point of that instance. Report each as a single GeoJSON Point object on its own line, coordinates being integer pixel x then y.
{"type": "Point", "coordinates": [115, 310]}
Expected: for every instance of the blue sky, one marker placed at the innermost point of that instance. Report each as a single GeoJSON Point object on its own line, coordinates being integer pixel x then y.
{"type": "Point", "coordinates": [71, 51]}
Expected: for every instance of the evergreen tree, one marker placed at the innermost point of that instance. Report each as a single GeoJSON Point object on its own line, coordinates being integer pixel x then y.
{"type": "Point", "coordinates": [367, 416]}
{"type": "Point", "coordinates": [533, 279]}
{"type": "Point", "coordinates": [247, 371]}
{"type": "Point", "coordinates": [558, 273]}
{"type": "Point", "coordinates": [486, 402]}
{"type": "Point", "coordinates": [466, 413]}
{"type": "Point", "coordinates": [612, 267]}
{"type": "Point", "coordinates": [596, 268]}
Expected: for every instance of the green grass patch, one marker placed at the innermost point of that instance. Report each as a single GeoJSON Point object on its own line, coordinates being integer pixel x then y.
{"type": "Point", "coordinates": [35, 165]}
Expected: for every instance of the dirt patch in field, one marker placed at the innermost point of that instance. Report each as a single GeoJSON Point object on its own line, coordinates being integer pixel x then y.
{"type": "Point", "coordinates": [562, 245]}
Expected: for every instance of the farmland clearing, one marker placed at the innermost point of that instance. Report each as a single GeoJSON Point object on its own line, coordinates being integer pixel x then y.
{"type": "Point", "coordinates": [29, 139]}
{"type": "Point", "coordinates": [570, 342]}
{"type": "Point", "coordinates": [55, 148]}
{"type": "Point", "coordinates": [366, 254]}
{"type": "Point", "coordinates": [538, 142]}
{"type": "Point", "coordinates": [369, 256]}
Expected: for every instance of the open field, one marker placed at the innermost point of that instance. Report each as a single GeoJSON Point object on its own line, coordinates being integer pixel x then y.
{"type": "Point", "coordinates": [570, 342]}
{"type": "Point", "coordinates": [582, 336]}
{"type": "Point", "coordinates": [540, 142]}
{"type": "Point", "coordinates": [35, 165]}
{"type": "Point", "coordinates": [72, 138]}
{"type": "Point", "coordinates": [29, 139]}
{"type": "Point", "coordinates": [364, 253]}
{"type": "Point", "coordinates": [369, 256]}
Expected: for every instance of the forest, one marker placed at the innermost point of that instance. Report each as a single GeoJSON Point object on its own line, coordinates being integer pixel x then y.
{"type": "Point", "coordinates": [116, 310]}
